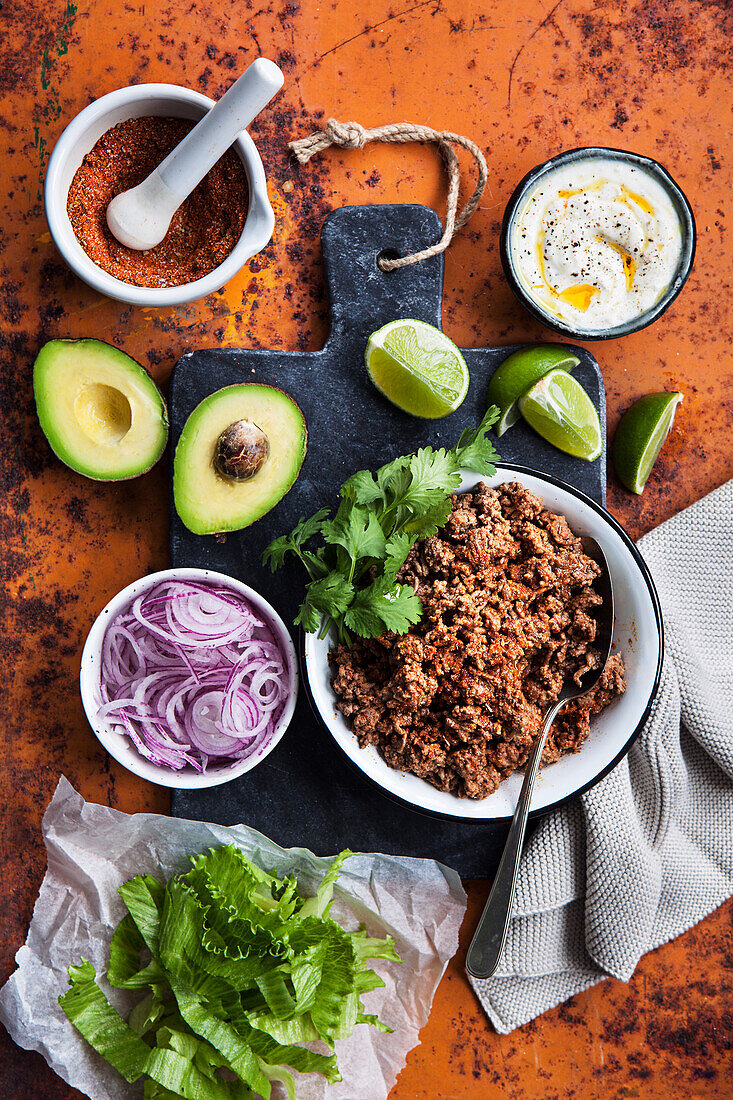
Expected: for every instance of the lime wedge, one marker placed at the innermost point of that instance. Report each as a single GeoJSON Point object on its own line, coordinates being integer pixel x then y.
{"type": "Point", "coordinates": [640, 436]}
{"type": "Point", "coordinates": [518, 372]}
{"type": "Point", "coordinates": [560, 410]}
{"type": "Point", "coordinates": [417, 368]}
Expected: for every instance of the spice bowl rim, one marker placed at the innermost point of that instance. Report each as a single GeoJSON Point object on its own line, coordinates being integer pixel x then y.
{"type": "Point", "coordinates": [73, 144]}
{"type": "Point", "coordinates": [682, 207]}
{"type": "Point", "coordinates": [118, 745]}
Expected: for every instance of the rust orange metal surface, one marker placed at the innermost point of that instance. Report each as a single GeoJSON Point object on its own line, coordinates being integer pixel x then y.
{"type": "Point", "coordinates": [524, 79]}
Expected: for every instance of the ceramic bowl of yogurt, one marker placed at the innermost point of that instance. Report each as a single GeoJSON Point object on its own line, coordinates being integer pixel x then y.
{"type": "Point", "coordinates": [597, 243]}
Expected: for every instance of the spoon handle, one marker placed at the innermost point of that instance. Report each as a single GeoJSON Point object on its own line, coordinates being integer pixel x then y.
{"type": "Point", "coordinates": [489, 938]}
{"type": "Point", "coordinates": [199, 151]}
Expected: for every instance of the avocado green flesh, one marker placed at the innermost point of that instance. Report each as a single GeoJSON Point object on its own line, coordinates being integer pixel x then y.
{"type": "Point", "coordinates": [100, 411]}
{"type": "Point", "coordinates": [209, 503]}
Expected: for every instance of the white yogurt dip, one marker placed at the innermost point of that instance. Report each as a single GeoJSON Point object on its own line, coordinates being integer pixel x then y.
{"type": "Point", "coordinates": [596, 243]}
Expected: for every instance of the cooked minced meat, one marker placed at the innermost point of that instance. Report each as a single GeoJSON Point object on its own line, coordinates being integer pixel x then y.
{"type": "Point", "coordinates": [508, 598]}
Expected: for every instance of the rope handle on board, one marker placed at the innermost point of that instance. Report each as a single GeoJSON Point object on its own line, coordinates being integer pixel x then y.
{"type": "Point", "coordinates": [350, 135]}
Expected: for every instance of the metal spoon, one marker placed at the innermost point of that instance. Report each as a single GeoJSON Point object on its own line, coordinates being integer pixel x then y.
{"type": "Point", "coordinates": [489, 938]}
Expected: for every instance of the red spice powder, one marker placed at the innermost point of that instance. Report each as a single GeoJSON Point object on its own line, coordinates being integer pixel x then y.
{"type": "Point", "coordinates": [204, 229]}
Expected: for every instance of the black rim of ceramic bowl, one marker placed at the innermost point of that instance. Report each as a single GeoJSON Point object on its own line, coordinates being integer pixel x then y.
{"type": "Point", "coordinates": [542, 811]}
{"type": "Point", "coordinates": [682, 208]}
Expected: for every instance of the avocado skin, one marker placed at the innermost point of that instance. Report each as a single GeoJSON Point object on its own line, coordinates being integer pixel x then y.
{"type": "Point", "coordinates": [44, 365]}
{"type": "Point", "coordinates": [207, 503]}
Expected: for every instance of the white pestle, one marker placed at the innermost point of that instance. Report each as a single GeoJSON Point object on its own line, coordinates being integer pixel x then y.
{"type": "Point", "coordinates": [140, 217]}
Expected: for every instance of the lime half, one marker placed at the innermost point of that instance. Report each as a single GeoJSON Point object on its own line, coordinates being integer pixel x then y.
{"type": "Point", "coordinates": [560, 410]}
{"type": "Point", "coordinates": [518, 372]}
{"type": "Point", "coordinates": [417, 368]}
{"type": "Point", "coordinates": [640, 436]}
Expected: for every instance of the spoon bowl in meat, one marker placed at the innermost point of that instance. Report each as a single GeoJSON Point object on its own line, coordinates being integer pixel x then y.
{"type": "Point", "coordinates": [443, 718]}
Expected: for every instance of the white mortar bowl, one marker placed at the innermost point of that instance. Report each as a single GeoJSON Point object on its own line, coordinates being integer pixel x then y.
{"type": "Point", "coordinates": [118, 744]}
{"type": "Point", "coordinates": [170, 101]}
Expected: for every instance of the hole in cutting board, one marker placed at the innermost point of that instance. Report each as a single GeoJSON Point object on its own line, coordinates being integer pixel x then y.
{"type": "Point", "coordinates": [386, 254]}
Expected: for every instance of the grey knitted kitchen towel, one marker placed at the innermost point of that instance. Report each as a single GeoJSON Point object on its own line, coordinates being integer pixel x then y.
{"type": "Point", "coordinates": [647, 852]}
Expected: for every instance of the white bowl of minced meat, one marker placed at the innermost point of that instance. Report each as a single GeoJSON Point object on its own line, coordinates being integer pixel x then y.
{"type": "Point", "coordinates": [443, 718]}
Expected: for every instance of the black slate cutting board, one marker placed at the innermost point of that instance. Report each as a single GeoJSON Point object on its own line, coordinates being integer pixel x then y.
{"type": "Point", "coordinates": [304, 793]}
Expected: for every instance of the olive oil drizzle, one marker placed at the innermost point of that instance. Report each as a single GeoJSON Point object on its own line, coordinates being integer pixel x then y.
{"type": "Point", "coordinates": [578, 295]}
{"type": "Point", "coordinates": [628, 260]}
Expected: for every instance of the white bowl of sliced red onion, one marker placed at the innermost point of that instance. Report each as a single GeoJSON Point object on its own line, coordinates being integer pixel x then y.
{"type": "Point", "coordinates": [189, 678]}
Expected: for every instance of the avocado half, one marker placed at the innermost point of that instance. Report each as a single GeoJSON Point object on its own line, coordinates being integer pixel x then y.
{"type": "Point", "coordinates": [216, 489]}
{"type": "Point", "coordinates": [100, 411]}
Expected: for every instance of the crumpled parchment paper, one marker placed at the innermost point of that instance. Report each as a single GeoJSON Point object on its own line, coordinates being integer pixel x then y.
{"type": "Point", "coordinates": [93, 849]}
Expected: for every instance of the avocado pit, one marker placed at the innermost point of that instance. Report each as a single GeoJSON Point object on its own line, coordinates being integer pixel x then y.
{"type": "Point", "coordinates": [249, 429]}
{"type": "Point", "coordinates": [241, 451]}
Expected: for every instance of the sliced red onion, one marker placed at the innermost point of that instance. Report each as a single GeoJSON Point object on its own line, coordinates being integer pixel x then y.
{"type": "Point", "coordinates": [192, 676]}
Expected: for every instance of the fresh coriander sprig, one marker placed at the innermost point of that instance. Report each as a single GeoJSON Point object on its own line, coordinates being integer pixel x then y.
{"type": "Point", "coordinates": [353, 577]}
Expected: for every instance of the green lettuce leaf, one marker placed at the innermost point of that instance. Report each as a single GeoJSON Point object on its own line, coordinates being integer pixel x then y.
{"type": "Point", "coordinates": [125, 970]}
{"type": "Point", "coordinates": [274, 989]}
{"type": "Point", "coordinates": [300, 1029]}
{"type": "Point", "coordinates": [146, 1014]}
{"type": "Point", "coordinates": [181, 1077]}
{"type": "Point", "coordinates": [277, 1073]}
{"type": "Point", "coordinates": [143, 896]}
{"type": "Point", "coordinates": [90, 1012]}
{"type": "Point", "coordinates": [223, 1038]}
{"type": "Point", "coordinates": [237, 969]}
{"type": "Point", "coordinates": [320, 905]}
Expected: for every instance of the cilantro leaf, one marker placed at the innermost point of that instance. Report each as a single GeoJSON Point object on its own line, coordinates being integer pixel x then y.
{"type": "Point", "coordinates": [383, 605]}
{"type": "Point", "coordinates": [474, 451]}
{"type": "Point", "coordinates": [357, 530]}
{"type": "Point", "coordinates": [274, 554]}
{"type": "Point", "coordinates": [432, 473]}
{"type": "Point", "coordinates": [430, 521]}
{"type": "Point", "coordinates": [380, 517]}
{"type": "Point", "coordinates": [415, 483]}
{"type": "Point", "coordinates": [393, 479]}
{"type": "Point", "coordinates": [400, 608]}
{"type": "Point", "coordinates": [396, 551]}
{"type": "Point", "coordinates": [309, 617]}
{"type": "Point", "coordinates": [314, 563]}
{"type": "Point", "coordinates": [329, 595]}
{"type": "Point", "coordinates": [364, 621]}
{"type": "Point", "coordinates": [361, 488]}
{"type": "Point", "coordinates": [305, 529]}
